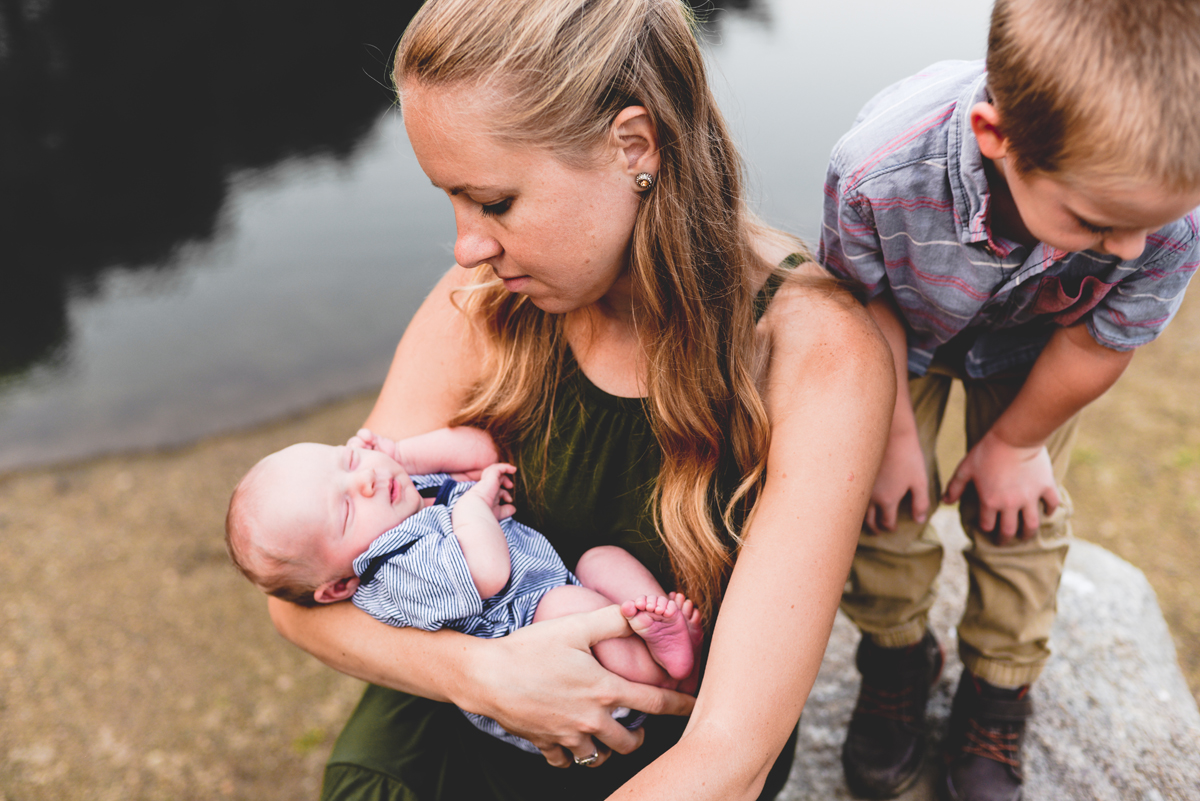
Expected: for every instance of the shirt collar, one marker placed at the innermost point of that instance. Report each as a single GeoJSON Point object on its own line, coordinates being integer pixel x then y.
{"type": "Point", "coordinates": [968, 181]}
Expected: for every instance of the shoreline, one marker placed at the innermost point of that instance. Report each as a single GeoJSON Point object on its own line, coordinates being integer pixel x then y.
{"type": "Point", "coordinates": [249, 428]}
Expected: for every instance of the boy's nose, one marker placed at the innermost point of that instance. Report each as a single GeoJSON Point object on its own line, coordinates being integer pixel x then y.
{"type": "Point", "coordinates": [1125, 244]}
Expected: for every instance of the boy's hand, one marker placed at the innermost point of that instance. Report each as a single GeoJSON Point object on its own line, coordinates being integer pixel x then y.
{"type": "Point", "coordinates": [902, 473]}
{"type": "Point", "coordinates": [1010, 481]}
{"type": "Point", "coordinates": [493, 487]}
{"type": "Point", "coordinates": [369, 440]}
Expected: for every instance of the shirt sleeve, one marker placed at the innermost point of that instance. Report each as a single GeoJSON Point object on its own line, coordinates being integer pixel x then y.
{"type": "Point", "coordinates": [1140, 306]}
{"type": "Point", "coordinates": [850, 245]}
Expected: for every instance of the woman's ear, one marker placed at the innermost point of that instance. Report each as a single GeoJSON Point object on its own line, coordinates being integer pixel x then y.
{"type": "Point", "coordinates": [337, 590]}
{"type": "Point", "coordinates": [633, 135]}
{"type": "Point", "coordinates": [985, 123]}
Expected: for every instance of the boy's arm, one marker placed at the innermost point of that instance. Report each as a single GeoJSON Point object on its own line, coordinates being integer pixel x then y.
{"type": "Point", "coordinates": [1010, 466]}
{"type": "Point", "coordinates": [476, 519]}
{"type": "Point", "coordinates": [903, 470]}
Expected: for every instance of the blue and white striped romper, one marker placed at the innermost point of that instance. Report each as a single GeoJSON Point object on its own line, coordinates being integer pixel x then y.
{"type": "Point", "coordinates": [416, 575]}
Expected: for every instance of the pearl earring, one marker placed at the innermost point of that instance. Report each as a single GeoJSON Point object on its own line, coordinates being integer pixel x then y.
{"type": "Point", "coordinates": [644, 180]}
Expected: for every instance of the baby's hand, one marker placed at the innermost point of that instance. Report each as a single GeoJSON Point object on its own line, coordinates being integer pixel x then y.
{"type": "Point", "coordinates": [494, 488]}
{"type": "Point", "coordinates": [369, 440]}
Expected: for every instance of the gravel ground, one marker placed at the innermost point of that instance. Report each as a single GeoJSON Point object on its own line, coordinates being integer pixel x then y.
{"type": "Point", "coordinates": [136, 664]}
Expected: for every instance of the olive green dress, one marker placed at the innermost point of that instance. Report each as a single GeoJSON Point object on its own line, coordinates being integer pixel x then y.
{"type": "Point", "coordinates": [602, 463]}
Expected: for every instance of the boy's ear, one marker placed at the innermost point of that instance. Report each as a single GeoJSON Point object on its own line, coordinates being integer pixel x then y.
{"type": "Point", "coordinates": [336, 590]}
{"type": "Point", "coordinates": [633, 134]}
{"type": "Point", "coordinates": [985, 123]}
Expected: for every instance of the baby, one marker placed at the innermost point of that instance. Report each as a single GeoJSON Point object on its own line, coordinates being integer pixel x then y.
{"type": "Point", "coordinates": [379, 522]}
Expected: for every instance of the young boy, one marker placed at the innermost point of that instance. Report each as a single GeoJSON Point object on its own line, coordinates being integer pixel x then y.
{"type": "Point", "coordinates": [1021, 227]}
{"type": "Point", "coordinates": [317, 524]}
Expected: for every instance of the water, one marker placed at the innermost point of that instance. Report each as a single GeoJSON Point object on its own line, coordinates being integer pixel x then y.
{"type": "Point", "coordinates": [210, 216]}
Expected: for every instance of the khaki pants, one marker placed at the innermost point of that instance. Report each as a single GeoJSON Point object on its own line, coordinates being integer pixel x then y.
{"type": "Point", "coordinates": [1005, 628]}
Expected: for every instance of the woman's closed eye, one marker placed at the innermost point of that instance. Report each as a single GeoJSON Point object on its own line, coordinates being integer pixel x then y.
{"type": "Point", "coordinates": [495, 209]}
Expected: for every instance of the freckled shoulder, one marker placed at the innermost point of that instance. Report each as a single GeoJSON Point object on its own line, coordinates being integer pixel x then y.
{"type": "Point", "coordinates": [820, 339]}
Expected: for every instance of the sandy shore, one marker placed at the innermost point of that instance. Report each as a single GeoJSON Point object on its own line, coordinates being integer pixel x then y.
{"type": "Point", "coordinates": [136, 664]}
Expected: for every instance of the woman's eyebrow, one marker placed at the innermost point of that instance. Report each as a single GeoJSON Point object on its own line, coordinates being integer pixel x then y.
{"type": "Point", "coordinates": [468, 188]}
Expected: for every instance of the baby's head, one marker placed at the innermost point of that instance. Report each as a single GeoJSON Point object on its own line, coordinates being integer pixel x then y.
{"type": "Point", "coordinates": [1100, 98]}
{"type": "Point", "coordinates": [301, 516]}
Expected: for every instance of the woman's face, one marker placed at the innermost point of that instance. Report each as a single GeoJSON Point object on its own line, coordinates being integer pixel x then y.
{"type": "Point", "coordinates": [555, 233]}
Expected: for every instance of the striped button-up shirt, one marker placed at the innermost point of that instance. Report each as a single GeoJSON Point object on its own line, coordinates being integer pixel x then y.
{"type": "Point", "coordinates": [906, 212]}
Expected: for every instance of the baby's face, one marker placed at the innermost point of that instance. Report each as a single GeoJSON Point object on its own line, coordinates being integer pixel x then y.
{"type": "Point", "coordinates": [337, 500]}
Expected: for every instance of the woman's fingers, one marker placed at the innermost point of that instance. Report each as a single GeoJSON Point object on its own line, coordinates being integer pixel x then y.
{"type": "Point", "coordinates": [556, 756]}
{"type": "Point", "coordinates": [584, 756]}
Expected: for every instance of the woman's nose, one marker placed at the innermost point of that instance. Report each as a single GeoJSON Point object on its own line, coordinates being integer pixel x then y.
{"type": "Point", "coordinates": [473, 247]}
{"type": "Point", "coordinates": [1126, 244]}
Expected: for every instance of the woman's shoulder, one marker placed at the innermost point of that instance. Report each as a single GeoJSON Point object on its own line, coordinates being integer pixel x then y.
{"type": "Point", "coordinates": [816, 328]}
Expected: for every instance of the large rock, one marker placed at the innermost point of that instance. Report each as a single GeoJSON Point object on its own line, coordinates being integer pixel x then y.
{"type": "Point", "coordinates": [1114, 718]}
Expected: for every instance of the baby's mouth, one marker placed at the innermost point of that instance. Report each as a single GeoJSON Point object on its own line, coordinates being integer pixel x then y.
{"type": "Point", "coordinates": [393, 489]}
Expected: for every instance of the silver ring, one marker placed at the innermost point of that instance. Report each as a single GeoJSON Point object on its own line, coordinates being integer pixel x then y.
{"type": "Point", "coordinates": [587, 762]}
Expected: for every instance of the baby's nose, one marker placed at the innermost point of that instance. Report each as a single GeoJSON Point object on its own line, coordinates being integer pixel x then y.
{"type": "Point", "coordinates": [368, 480]}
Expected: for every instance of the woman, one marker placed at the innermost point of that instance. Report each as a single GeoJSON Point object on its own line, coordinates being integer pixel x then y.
{"type": "Point", "coordinates": [622, 331]}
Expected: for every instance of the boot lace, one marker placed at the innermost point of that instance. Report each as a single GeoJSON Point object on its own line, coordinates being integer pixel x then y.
{"type": "Point", "coordinates": [898, 706]}
{"type": "Point", "coordinates": [997, 744]}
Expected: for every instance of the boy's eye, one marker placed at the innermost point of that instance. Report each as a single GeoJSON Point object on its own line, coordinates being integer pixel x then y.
{"type": "Point", "coordinates": [353, 460]}
{"type": "Point", "coordinates": [1094, 229]}
{"type": "Point", "coordinates": [495, 209]}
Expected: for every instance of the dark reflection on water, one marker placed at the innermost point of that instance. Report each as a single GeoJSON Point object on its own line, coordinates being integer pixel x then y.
{"type": "Point", "coordinates": [123, 120]}
{"type": "Point", "coordinates": [209, 217]}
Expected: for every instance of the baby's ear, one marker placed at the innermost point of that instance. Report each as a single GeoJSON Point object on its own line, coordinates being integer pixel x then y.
{"type": "Point", "coordinates": [337, 590]}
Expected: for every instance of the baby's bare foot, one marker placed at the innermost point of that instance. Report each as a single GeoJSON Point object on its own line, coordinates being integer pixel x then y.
{"type": "Point", "coordinates": [661, 623]}
{"type": "Point", "coordinates": [692, 615]}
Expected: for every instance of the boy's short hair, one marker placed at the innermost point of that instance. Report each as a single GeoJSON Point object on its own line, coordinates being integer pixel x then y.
{"type": "Point", "coordinates": [1106, 89]}
{"type": "Point", "coordinates": [273, 574]}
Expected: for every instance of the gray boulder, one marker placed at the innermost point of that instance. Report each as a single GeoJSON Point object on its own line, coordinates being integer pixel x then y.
{"type": "Point", "coordinates": [1114, 717]}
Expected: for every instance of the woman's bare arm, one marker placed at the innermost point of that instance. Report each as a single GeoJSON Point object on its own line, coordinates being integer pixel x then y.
{"type": "Point", "coordinates": [830, 396]}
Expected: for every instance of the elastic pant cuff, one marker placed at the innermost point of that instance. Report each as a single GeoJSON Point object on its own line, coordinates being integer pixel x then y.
{"type": "Point", "coordinates": [901, 636]}
{"type": "Point", "coordinates": [1002, 674]}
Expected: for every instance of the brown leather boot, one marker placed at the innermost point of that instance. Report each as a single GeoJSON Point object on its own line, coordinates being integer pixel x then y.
{"type": "Point", "coordinates": [983, 745]}
{"type": "Point", "coordinates": [885, 743]}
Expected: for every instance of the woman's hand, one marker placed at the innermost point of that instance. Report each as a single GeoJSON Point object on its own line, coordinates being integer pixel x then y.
{"type": "Point", "coordinates": [542, 683]}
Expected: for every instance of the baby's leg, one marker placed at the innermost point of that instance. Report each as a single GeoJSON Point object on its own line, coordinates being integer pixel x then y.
{"type": "Point", "coordinates": [670, 625]}
{"type": "Point", "coordinates": [628, 657]}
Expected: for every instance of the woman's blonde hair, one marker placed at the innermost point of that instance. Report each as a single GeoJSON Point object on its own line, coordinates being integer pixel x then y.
{"type": "Point", "coordinates": [1103, 89]}
{"type": "Point", "coordinates": [561, 71]}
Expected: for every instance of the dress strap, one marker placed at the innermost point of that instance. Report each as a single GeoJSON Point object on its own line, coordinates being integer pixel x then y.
{"type": "Point", "coordinates": [763, 299]}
